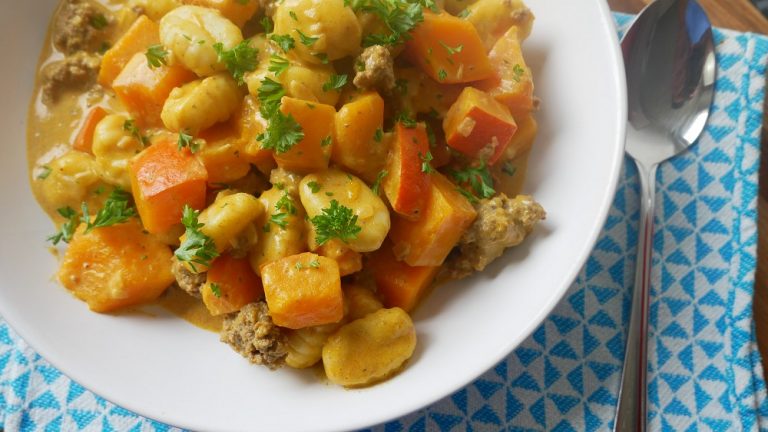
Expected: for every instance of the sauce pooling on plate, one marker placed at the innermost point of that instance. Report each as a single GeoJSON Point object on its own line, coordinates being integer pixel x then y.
{"type": "Point", "coordinates": [293, 175]}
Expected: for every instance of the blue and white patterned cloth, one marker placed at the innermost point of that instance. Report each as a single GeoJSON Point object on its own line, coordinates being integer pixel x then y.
{"type": "Point", "coordinates": [705, 371]}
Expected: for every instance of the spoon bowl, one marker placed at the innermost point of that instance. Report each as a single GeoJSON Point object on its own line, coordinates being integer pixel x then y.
{"type": "Point", "coordinates": [670, 63]}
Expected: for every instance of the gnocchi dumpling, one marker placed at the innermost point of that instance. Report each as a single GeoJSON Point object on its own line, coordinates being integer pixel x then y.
{"type": "Point", "coordinates": [201, 104]}
{"type": "Point", "coordinates": [305, 346]}
{"type": "Point", "coordinates": [190, 32]}
{"type": "Point", "coordinates": [300, 81]}
{"type": "Point", "coordinates": [349, 191]}
{"type": "Point", "coordinates": [113, 147]}
{"type": "Point", "coordinates": [284, 232]}
{"type": "Point", "coordinates": [228, 217]}
{"type": "Point", "coordinates": [69, 180]}
{"type": "Point", "coordinates": [369, 349]}
{"type": "Point", "coordinates": [334, 25]}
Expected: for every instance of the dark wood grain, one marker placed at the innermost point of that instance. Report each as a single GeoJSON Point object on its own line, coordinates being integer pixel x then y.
{"type": "Point", "coordinates": [740, 15]}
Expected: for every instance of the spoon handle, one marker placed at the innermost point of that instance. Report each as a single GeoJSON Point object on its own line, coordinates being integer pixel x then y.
{"type": "Point", "coordinates": [631, 412]}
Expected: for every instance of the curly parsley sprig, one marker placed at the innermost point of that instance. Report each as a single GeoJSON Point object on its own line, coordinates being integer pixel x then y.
{"type": "Point", "coordinates": [197, 247]}
{"type": "Point", "coordinates": [337, 221]}
{"type": "Point", "coordinates": [239, 60]}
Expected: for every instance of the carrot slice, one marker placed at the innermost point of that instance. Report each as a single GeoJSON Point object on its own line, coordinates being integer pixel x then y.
{"type": "Point", "coordinates": [141, 35]}
{"type": "Point", "coordinates": [398, 284]}
{"type": "Point", "coordinates": [84, 140]}
{"type": "Point", "coordinates": [407, 184]}
{"type": "Point", "coordinates": [230, 285]}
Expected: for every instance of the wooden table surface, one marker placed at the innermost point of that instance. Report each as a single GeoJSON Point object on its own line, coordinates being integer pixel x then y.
{"type": "Point", "coordinates": [743, 16]}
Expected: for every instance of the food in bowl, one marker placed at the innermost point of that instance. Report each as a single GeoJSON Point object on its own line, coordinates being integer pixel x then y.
{"type": "Point", "coordinates": [295, 175]}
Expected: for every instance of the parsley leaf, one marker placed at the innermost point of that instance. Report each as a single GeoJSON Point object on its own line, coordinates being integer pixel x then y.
{"type": "Point", "coordinates": [197, 247]}
{"type": "Point", "coordinates": [45, 171]}
{"type": "Point", "coordinates": [478, 178]}
{"type": "Point", "coordinates": [285, 42]}
{"type": "Point", "coordinates": [337, 221]}
{"type": "Point", "coordinates": [442, 74]}
{"type": "Point", "coordinates": [400, 17]}
{"type": "Point", "coordinates": [116, 210]}
{"type": "Point", "coordinates": [314, 186]}
{"type": "Point", "coordinates": [267, 24]}
{"type": "Point", "coordinates": [307, 40]}
{"type": "Point", "coordinates": [277, 64]}
{"type": "Point", "coordinates": [509, 169]}
{"type": "Point", "coordinates": [156, 56]}
{"type": "Point", "coordinates": [215, 288]}
{"type": "Point", "coordinates": [335, 82]}
{"type": "Point", "coordinates": [99, 22]}
{"type": "Point", "coordinates": [378, 135]}
{"type": "Point", "coordinates": [283, 132]}
{"type": "Point", "coordinates": [425, 160]}
{"type": "Point", "coordinates": [130, 127]}
{"type": "Point", "coordinates": [279, 219]}
{"type": "Point", "coordinates": [286, 203]}
{"type": "Point", "coordinates": [452, 50]}
{"type": "Point", "coordinates": [379, 178]}
{"type": "Point", "coordinates": [238, 60]}
{"type": "Point", "coordinates": [518, 71]}
{"type": "Point", "coordinates": [270, 94]}
{"type": "Point", "coordinates": [405, 118]}
{"type": "Point", "coordinates": [68, 228]}
{"type": "Point", "coordinates": [186, 140]}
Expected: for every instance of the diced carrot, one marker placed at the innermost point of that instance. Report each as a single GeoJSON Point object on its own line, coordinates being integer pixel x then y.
{"type": "Point", "coordinates": [492, 18]}
{"type": "Point", "coordinates": [116, 267]}
{"type": "Point", "coordinates": [479, 126]}
{"type": "Point", "coordinates": [230, 284]}
{"type": "Point", "coordinates": [511, 82]}
{"type": "Point", "coordinates": [358, 147]}
{"type": "Point", "coordinates": [441, 154]}
{"type": "Point", "coordinates": [349, 261]}
{"type": "Point", "coordinates": [140, 36]}
{"type": "Point", "coordinates": [522, 142]}
{"type": "Point", "coordinates": [407, 184]}
{"type": "Point", "coordinates": [222, 155]}
{"type": "Point", "coordinates": [251, 124]}
{"type": "Point", "coordinates": [448, 49]}
{"type": "Point", "coordinates": [237, 11]}
{"type": "Point", "coordinates": [511, 171]}
{"type": "Point", "coordinates": [84, 140]}
{"type": "Point", "coordinates": [317, 122]}
{"type": "Point", "coordinates": [398, 284]}
{"type": "Point", "coordinates": [143, 89]}
{"type": "Point", "coordinates": [303, 290]}
{"type": "Point", "coordinates": [164, 179]}
{"type": "Point", "coordinates": [428, 241]}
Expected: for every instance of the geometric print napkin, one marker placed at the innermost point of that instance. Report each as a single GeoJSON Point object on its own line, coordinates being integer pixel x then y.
{"type": "Point", "coordinates": [704, 366]}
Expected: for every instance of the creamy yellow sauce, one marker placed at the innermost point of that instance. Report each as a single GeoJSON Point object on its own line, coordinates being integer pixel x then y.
{"type": "Point", "coordinates": [51, 129]}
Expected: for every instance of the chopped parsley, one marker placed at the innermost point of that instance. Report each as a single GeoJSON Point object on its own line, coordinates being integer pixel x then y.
{"type": "Point", "coordinates": [99, 22]}
{"type": "Point", "coordinates": [156, 56]}
{"type": "Point", "coordinates": [197, 247]}
{"type": "Point", "coordinates": [270, 94]}
{"type": "Point", "coordinates": [314, 186]}
{"type": "Point", "coordinates": [379, 178]}
{"type": "Point", "coordinates": [267, 24]}
{"type": "Point", "coordinates": [326, 141]}
{"type": "Point", "coordinates": [400, 17]}
{"type": "Point", "coordinates": [335, 82]}
{"type": "Point", "coordinates": [277, 64]}
{"type": "Point", "coordinates": [509, 169]}
{"type": "Point", "coordinates": [442, 74]}
{"type": "Point", "coordinates": [285, 42]}
{"type": "Point", "coordinates": [337, 221]}
{"type": "Point", "coordinates": [452, 50]}
{"type": "Point", "coordinates": [215, 288]}
{"type": "Point", "coordinates": [45, 171]}
{"type": "Point", "coordinates": [186, 140]}
{"type": "Point", "coordinates": [307, 40]}
{"type": "Point", "coordinates": [463, 14]}
{"type": "Point", "coordinates": [117, 209]}
{"type": "Point", "coordinates": [518, 71]}
{"type": "Point", "coordinates": [425, 160]}
{"type": "Point", "coordinates": [239, 60]}
{"type": "Point", "coordinates": [286, 203]}
{"type": "Point", "coordinates": [67, 229]}
{"type": "Point", "coordinates": [478, 178]}
{"type": "Point", "coordinates": [323, 57]}
{"type": "Point", "coordinates": [293, 15]}
{"type": "Point", "coordinates": [405, 118]}
{"type": "Point", "coordinates": [279, 219]}
{"type": "Point", "coordinates": [314, 264]}
{"type": "Point", "coordinates": [130, 127]}
{"type": "Point", "coordinates": [378, 135]}
{"type": "Point", "coordinates": [283, 131]}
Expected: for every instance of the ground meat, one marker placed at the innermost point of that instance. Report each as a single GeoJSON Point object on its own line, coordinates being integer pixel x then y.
{"type": "Point", "coordinates": [189, 282]}
{"type": "Point", "coordinates": [501, 223]}
{"type": "Point", "coordinates": [375, 69]}
{"type": "Point", "coordinates": [77, 71]}
{"type": "Point", "coordinates": [79, 26]}
{"type": "Point", "coordinates": [251, 333]}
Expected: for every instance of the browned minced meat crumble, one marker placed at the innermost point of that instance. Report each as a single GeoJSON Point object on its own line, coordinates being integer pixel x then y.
{"type": "Point", "coordinates": [189, 282]}
{"type": "Point", "coordinates": [252, 333]}
{"type": "Point", "coordinates": [80, 26]}
{"type": "Point", "coordinates": [501, 223]}
{"type": "Point", "coordinates": [374, 69]}
{"type": "Point", "coordinates": [77, 71]}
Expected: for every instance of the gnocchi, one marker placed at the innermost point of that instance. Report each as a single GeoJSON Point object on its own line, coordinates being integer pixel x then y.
{"type": "Point", "coordinates": [284, 235]}
{"type": "Point", "coordinates": [113, 147]}
{"type": "Point", "coordinates": [201, 104]}
{"type": "Point", "coordinates": [228, 217]}
{"type": "Point", "coordinates": [69, 180]}
{"type": "Point", "coordinates": [190, 33]}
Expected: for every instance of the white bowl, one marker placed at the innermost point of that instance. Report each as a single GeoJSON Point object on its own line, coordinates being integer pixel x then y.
{"type": "Point", "coordinates": [168, 370]}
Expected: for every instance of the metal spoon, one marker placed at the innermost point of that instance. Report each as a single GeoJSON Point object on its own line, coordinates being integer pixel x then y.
{"type": "Point", "coordinates": [670, 63]}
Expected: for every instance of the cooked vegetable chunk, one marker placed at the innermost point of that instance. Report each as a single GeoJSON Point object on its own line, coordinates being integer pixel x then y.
{"type": "Point", "coordinates": [313, 151]}
{"type": "Point", "coordinates": [140, 36]}
{"type": "Point", "coordinates": [399, 284]}
{"type": "Point", "coordinates": [230, 285]}
{"type": "Point", "coordinates": [448, 49]}
{"type": "Point", "coordinates": [369, 349]}
{"type": "Point", "coordinates": [512, 82]}
{"type": "Point", "coordinates": [113, 147]}
{"type": "Point", "coordinates": [164, 179]}
{"type": "Point", "coordinates": [84, 140]}
{"type": "Point", "coordinates": [360, 301]}
{"type": "Point", "coordinates": [237, 11]}
{"type": "Point", "coordinates": [303, 290]}
{"type": "Point", "coordinates": [492, 18]}
{"type": "Point", "coordinates": [427, 241]}
{"type": "Point", "coordinates": [349, 261]}
{"type": "Point", "coordinates": [407, 181]}
{"type": "Point", "coordinates": [116, 267]}
{"type": "Point", "coordinates": [479, 126]}
{"type": "Point", "coordinates": [359, 146]}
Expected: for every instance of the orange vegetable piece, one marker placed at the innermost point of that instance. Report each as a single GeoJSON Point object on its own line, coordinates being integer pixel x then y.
{"type": "Point", "coordinates": [230, 284]}
{"type": "Point", "coordinates": [303, 290]}
{"type": "Point", "coordinates": [222, 155]}
{"type": "Point", "coordinates": [250, 125]}
{"type": "Point", "coordinates": [116, 267]}
{"type": "Point", "coordinates": [522, 142]}
{"type": "Point", "coordinates": [349, 261]}
{"type": "Point", "coordinates": [164, 179]}
{"type": "Point", "coordinates": [84, 140]}
{"type": "Point", "coordinates": [511, 82]}
{"type": "Point", "coordinates": [398, 284]}
{"type": "Point", "coordinates": [429, 240]}
{"type": "Point", "coordinates": [237, 11]}
{"type": "Point", "coordinates": [313, 152]}
{"type": "Point", "coordinates": [142, 34]}
{"type": "Point", "coordinates": [143, 89]}
{"type": "Point", "coordinates": [448, 49]}
{"type": "Point", "coordinates": [479, 126]}
{"type": "Point", "coordinates": [356, 148]}
{"type": "Point", "coordinates": [406, 184]}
